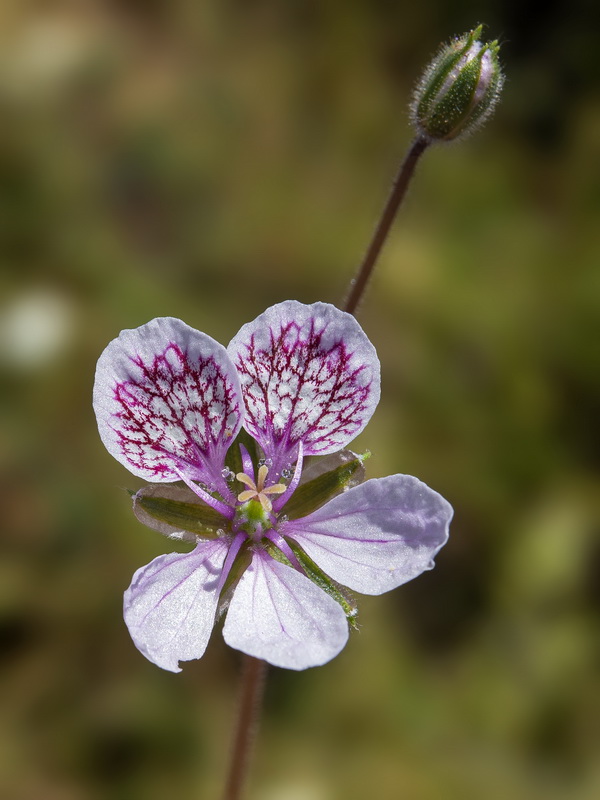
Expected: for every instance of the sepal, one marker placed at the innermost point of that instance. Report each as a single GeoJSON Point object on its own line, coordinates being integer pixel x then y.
{"type": "Point", "coordinates": [239, 566]}
{"type": "Point", "coordinates": [317, 576]}
{"type": "Point", "coordinates": [175, 512]}
{"type": "Point", "coordinates": [332, 475]}
{"type": "Point", "coordinates": [459, 89]}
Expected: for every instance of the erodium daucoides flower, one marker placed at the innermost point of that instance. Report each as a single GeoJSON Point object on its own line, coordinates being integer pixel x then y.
{"type": "Point", "coordinates": [273, 547]}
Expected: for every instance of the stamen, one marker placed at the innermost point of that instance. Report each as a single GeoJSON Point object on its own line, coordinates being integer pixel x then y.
{"type": "Point", "coordinates": [293, 484]}
{"type": "Point", "coordinates": [234, 549]}
{"type": "Point", "coordinates": [247, 465]}
{"type": "Point", "coordinates": [211, 501]}
{"type": "Point", "coordinates": [281, 543]}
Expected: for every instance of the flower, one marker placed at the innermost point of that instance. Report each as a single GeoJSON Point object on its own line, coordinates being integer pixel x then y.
{"type": "Point", "coordinates": [301, 380]}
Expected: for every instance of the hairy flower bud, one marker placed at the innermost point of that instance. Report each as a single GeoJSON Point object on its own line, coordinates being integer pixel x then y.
{"type": "Point", "coordinates": [458, 90]}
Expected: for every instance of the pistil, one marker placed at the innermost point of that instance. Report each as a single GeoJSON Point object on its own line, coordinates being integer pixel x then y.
{"type": "Point", "coordinates": [258, 491]}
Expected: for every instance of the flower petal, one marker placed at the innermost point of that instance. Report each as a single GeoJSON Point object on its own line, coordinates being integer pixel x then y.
{"type": "Point", "coordinates": [309, 374]}
{"type": "Point", "coordinates": [167, 395]}
{"type": "Point", "coordinates": [279, 615]}
{"type": "Point", "coordinates": [171, 604]}
{"type": "Point", "coordinates": [376, 536]}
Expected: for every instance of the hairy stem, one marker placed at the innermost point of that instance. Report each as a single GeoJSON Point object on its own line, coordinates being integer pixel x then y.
{"type": "Point", "coordinates": [359, 284]}
{"type": "Point", "coordinates": [251, 691]}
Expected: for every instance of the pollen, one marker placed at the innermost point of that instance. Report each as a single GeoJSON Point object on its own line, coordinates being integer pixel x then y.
{"type": "Point", "coordinates": [258, 490]}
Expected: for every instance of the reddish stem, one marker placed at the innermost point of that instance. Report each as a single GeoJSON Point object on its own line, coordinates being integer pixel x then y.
{"type": "Point", "coordinates": [252, 686]}
{"type": "Point", "coordinates": [358, 284]}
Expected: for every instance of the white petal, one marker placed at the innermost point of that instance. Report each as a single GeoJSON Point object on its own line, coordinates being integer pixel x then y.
{"type": "Point", "coordinates": [166, 394]}
{"type": "Point", "coordinates": [308, 373]}
{"type": "Point", "coordinates": [279, 615]}
{"type": "Point", "coordinates": [171, 604]}
{"type": "Point", "coordinates": [376, 536]}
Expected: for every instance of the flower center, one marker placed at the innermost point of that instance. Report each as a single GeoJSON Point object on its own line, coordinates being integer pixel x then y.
{"type": "Point", "coordinates": [253, 515]}
{"type": "Point", "coordinates": [258, 491]}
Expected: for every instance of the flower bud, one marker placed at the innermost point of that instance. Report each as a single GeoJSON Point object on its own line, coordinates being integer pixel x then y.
{"type": "Point", "coordinates": [458, 90]}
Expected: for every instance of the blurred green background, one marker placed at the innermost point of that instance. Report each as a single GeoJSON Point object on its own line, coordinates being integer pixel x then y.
{"type": "Point", "coordinates": [205, 160]}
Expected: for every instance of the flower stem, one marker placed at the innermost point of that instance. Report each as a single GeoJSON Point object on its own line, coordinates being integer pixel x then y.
{"type": "Point", "coordinates": [254, 670]}
{"type": "Point", "coordinates": [252, 685]}
{"type": "Point", "coordinates": [359, 284]}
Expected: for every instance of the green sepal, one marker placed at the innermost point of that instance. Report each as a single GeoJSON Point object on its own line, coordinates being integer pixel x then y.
{"type": "Point", "coordinates": [239, 566]}
{"type": "Point", "coordinates": [447, 58]}
{"type": "Point", "coordinates": [315, 493]}
{"type": "Point", "coordinates": [455, 108]}
{"type": "Point", "coordinates": [276, 553]}
{"type": "Point", "coordinates": [175, 511]}
{"type": "Point", "coordinates": [317, 576]}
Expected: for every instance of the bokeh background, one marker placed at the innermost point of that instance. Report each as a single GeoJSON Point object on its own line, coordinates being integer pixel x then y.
{"type": "Point", "coordinates": [204, 160]}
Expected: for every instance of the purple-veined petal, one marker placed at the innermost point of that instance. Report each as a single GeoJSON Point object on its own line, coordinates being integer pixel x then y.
{"type": "Point", "coordinates": [279, 615]}
{"type": "Point", "coordinates": [309, 374]}
{"type": "Point", "coordinates": [167, 395]}
{"type": "Point", "coordinates": [376, 536]}
{"type": "Point", "coordinates": [171, 603]}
